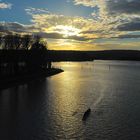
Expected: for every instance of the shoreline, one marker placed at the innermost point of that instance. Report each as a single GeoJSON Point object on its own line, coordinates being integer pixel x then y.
{"type": "Point", "coordinates": [9, 82]}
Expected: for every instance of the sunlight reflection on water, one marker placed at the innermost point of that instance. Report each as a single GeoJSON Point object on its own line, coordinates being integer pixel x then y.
{"type": "Point", "coordinates": [53, 108]}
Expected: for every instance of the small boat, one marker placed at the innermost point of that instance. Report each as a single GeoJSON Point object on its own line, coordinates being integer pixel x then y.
{"type": "Point", "coordinates": [86, 114]}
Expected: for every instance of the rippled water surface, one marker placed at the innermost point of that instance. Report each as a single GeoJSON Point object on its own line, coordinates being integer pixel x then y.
{"type": "Point", "coordinates": [52, 108]}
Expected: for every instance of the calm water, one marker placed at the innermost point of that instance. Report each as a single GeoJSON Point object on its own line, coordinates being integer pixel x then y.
{"type": "Point", "coordinates": [52, 108]}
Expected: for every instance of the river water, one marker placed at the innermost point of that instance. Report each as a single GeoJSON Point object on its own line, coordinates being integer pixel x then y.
{"type": "Point", "coordinates": [52, 108]}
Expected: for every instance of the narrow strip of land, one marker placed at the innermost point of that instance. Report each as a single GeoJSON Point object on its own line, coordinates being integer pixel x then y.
{"type": "Point", "coordinates": [7, 82]}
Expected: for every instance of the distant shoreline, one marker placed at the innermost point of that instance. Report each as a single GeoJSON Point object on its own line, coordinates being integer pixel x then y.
{"type": "Point", "coordinates": [58, 56]}
{"type": "Point", "coordinates": [9, 82]}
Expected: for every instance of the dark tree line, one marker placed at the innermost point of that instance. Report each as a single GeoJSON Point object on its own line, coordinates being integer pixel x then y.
{"type": "Point", "coordinates": [21, 42]}
{"type": "Point", "coordinates": [23, 54]}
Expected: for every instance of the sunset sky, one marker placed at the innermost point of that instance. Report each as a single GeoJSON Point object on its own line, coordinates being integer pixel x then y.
{"type": "Point", "coordinates": [75, 24]}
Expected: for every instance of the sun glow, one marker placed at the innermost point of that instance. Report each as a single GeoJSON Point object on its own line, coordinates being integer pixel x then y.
{"type": "Point", "coordinates": [67, 31]}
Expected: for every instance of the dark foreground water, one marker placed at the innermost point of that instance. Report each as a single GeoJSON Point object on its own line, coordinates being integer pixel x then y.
{"type": "Point", "coordinates": [52, 108]}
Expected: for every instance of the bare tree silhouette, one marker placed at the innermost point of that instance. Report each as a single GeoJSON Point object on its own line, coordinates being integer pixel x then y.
{"type": "Point", "coordinates": [26, 42]}
{"type": "Point", "coordinates": [16, 41]}
{"type": "Point", "coordinates": [23, 50]}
